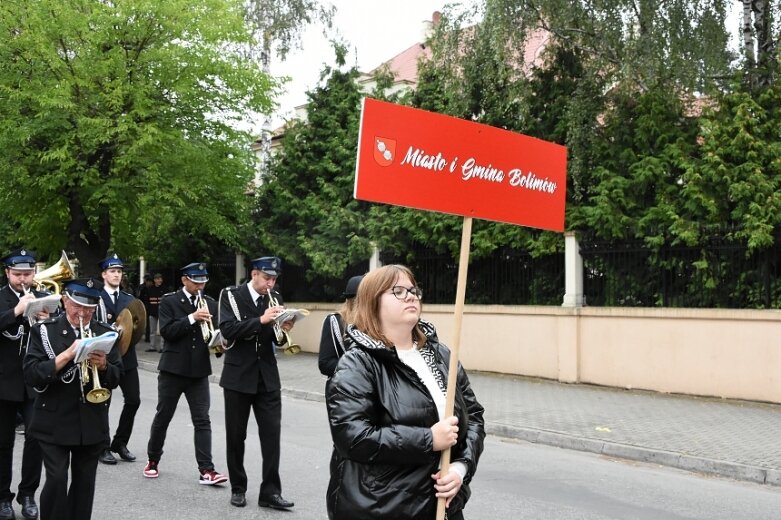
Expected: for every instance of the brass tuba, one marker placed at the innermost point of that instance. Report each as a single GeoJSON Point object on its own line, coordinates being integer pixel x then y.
{"type": "Point", "coordinates": [281, 334]}
{"type": "Point", "coordinates": [51, 277]}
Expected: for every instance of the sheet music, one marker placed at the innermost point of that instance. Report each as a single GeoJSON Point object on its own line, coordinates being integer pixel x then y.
{"type": "Point", "coordinates": [215, 343]}
{"type": "Point", "coordinates": [216, 339]}
{"type": "Point", "coordinates": [290, 314]}
{"type": "Point", "coordinates": [47, 303]}
{"type": "Point", "coordinates": [103, 343]}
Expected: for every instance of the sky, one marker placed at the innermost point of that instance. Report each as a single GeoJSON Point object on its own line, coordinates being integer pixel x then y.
{"type": "Point", "coordinates": [375, 30]}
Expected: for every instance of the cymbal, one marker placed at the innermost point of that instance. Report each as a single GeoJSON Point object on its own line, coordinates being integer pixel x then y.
{"type": "Point", "coordinates": [124, 324]}
{"type": "Point", "coordinates": [138, 311]}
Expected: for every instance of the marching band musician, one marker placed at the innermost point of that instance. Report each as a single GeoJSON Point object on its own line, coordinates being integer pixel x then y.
{"type": "Point", "coordinates": [15, 396]}
{"type": "Point", "coordinates": [112, 301]}
{"type": "Point", "coordinates": [250, 379]}
{"type": "Point", "coordinates": [71, 430]}
{"type": "Point", "coordinates": [184, 368]}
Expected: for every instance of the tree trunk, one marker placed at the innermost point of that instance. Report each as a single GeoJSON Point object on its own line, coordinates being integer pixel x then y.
{"type": "Point", "coordinates": [748, 34]}
{"type": "Point", "coordinates": [765, 45]}
{"type": "Point", "coordinates": [88, 247]}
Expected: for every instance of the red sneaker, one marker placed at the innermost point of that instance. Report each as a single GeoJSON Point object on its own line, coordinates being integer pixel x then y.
{"type": "Point", "coordinates": [150, 470]}
{"type": "Point", "coordinates": [209, 477]}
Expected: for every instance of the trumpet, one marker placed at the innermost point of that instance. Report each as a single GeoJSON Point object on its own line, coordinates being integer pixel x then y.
{"type": "Point", "coordinates": [281, 334]}
{"type": "Point", "coordinates": [98, 394]}
{"type": "Point", "coordinates": [207, 328]}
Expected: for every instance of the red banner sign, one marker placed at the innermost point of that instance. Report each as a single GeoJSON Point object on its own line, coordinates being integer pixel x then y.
{"type": "Point", "coordinates": [418, 159]}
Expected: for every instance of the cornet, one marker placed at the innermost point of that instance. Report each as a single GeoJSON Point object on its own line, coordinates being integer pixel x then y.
{"type": "Point", "coordinates": [281, 334]}
{"type": "Point", "coordinates": [207, 329]}
{"type": "Point", "coordinates": [98, 394]}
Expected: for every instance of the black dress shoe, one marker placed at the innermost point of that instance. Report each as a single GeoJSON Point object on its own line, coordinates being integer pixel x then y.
{"type": "Point", "coordinates": [6, 511]}
{"type": "Point", "coordinates": [107, 458]}
{"type": "Point", "coordinates": [29, 507]}
{"type": "Point", "coordinates": [238, 499]}
{"type": "Point", "coordinates": [275, 501]}
{"type": "Point", "coordinates": [124, 453]}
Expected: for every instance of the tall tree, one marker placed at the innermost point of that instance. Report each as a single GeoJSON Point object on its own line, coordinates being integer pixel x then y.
{"type": "Point", "coordinates": [759, 43]}
{"type": "Point", "coordinates": [120, 122]}
{"type": "Point", "coordinates": [305, 205]}
{"type": "Point", "coordinates": [277, 24]}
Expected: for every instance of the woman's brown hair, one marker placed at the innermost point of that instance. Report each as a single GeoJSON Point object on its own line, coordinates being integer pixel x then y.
{"type": "Point", "coordinates": [366, 314]}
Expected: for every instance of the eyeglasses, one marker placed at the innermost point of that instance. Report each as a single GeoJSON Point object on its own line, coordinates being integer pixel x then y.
{"type": "Point", "coordinates": [401, 292]}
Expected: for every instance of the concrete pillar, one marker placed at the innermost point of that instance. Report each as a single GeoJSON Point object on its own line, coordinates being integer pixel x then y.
{"type": "Point", "coordinates": [241, 271]}
{"type": "Point", "coordinates": [573, 272]}
{"type": "Point", "coordinates": [374, 261]}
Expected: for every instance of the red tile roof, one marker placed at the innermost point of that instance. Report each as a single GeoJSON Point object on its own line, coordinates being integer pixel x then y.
{"type": "Point", "coordinates": [404, 65]}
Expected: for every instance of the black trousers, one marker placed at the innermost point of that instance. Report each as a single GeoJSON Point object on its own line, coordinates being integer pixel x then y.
{"type": "Point", "coordinates": [58, 500]}
{"type": "Point", "coordinates": [170, 387]}
{"type": "Point", "coordinates": [31, 455]}
{"type": "Point", "coordinates": [267, 407]}
{"type": "Point", "coordinates": [131, 393]}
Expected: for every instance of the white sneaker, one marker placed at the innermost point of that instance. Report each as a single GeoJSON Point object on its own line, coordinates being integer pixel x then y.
{"type": "Point", "coordinates": [150, 470]}
{"type": "Point", "coordinates": [209, 477]}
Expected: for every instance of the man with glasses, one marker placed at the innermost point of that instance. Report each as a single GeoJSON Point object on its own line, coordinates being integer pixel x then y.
{"type": "Point", "coordinates": [71, 428]}
{"type": "Point", "coordinates": [250, 379]}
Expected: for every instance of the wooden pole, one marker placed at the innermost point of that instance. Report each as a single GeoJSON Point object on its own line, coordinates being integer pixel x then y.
{"type": "Point", "coordinates": [452, 371]}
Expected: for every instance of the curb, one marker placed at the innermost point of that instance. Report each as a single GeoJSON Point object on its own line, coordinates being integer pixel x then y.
{"type": "Point", "coordinates": [732, 470]}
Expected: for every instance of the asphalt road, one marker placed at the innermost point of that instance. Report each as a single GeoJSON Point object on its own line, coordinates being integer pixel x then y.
{"type": "Point", "coordinates": [515, 480]}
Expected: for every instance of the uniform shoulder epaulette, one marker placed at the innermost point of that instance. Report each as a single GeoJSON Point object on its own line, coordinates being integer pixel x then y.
{"type": "Point", "coordinates": [125, 292]}
{"type": "Point", "coordinates": [168, 294]}
{"type": "Point", "coordinates": [50, 319]}
{"type": "Point", "coordinates": [209, 298]}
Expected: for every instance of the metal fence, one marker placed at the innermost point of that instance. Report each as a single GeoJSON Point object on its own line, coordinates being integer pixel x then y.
{"type": "Point", "coordinates": [508, 277]}
{"type": "Point", "coordinates": [719, 273]}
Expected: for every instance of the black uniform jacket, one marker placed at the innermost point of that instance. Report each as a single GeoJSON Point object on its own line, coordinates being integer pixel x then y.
{"type": "Point", "coordinates": [108, 313]}
{"type": "Point", "coordinates": [14, 332]}
{"type": "Point", "coordinates": [62, 415]}
{"type": "Point", "coordinates": [250, 362]}
{"type": "Point", "coordinates": [185, 352]}
{"type": "Point", "coordinates": [381, 415]}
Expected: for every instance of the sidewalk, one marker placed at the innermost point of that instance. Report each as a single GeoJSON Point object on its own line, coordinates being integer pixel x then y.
{"type": "Point", "coordinates": [734, 439]}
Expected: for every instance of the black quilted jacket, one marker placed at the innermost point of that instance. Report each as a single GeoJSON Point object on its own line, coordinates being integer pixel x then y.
{"type": "Point", "coordinates": [380, 415]}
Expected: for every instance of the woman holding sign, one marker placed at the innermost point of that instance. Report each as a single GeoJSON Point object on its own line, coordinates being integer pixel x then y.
{"type": "Point", "coordinates": [386, 405]}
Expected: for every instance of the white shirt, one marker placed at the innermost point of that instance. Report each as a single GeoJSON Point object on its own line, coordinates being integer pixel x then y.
{"type": "Point", "coordinates": [413, 359]}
